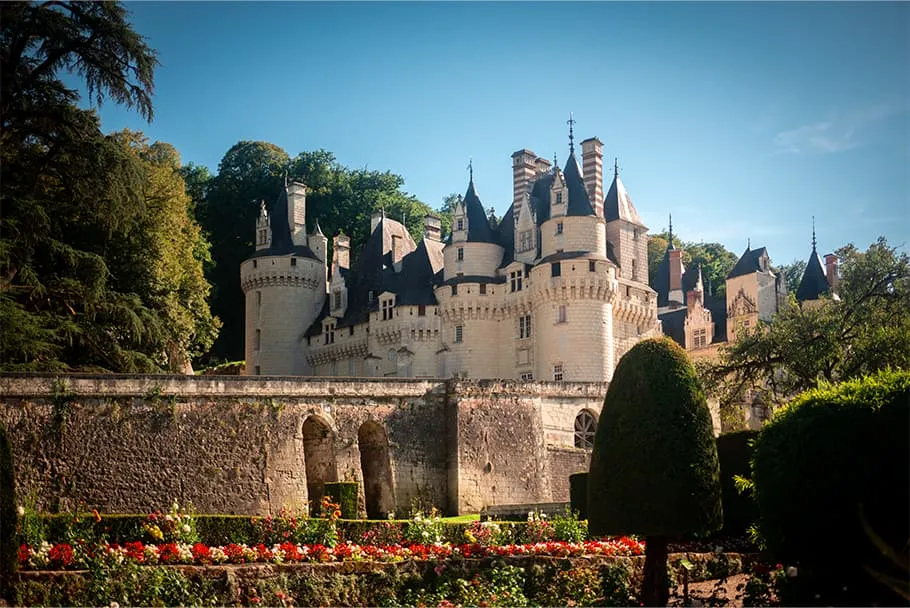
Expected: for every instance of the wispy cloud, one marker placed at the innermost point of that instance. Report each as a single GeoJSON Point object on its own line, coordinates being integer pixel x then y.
{"type": "Point", "coordinates": [841, 131]}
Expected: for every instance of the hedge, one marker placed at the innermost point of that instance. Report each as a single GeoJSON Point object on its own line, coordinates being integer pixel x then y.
{"type": "Point", "coordinates": [8, 561]}
{"type": "Point", "coordinates": [734, 452]}
{"type": "Point", "coordinates": [578, 494]}
{"type": "Point", "coordinates": [822, 458]}
{"type": "Point", "coordinates": [344, 494]}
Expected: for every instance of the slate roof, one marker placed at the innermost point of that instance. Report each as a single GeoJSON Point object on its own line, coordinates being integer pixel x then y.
{"type": "Point", "coordinates": [813, 283]}
{"type": "Point", "coordinates": [506, 236]}
{"type": "Point", "coordinates": [282, 243]}
{"type": "Point", "coordinates": [674, 325]}
{"type": "Point", "coordinates": [618, 205]}
{"type": "Point", "coordinates": [718, 307]}
{"type": "Point", "coordinates": [479, 230]}
{"type": "Point", "coordinates": [748, 263]}
{"type": "Point", "coordinates": [579, 203]}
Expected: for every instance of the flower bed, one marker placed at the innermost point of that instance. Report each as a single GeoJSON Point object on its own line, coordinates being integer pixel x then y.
{"type": "Point", "coordinates": [63, 556]}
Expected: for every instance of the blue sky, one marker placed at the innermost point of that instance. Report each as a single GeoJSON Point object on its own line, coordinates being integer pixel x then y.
{"type": "Point", "coordinates": [743, 120]}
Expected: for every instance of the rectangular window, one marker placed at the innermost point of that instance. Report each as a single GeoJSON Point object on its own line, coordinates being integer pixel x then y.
{"type": "Point", "coordinates": [558, 227]}
{"type": "Point", "coordinates": [459, 334]}
{"type": "Point", "coordinates": [592, 266]}
{"type": "Point", "coordinates": [459, 224]}
{"type": "Point", "coordinates": [293, 261]}
{"type": "Point", "coordinates": [524, 326]}
{"type": "Point", "coordinates": [387, 309]}
{"type": "Point", "coordinates": [561, 314]}
{"type": "Point", "coordinates": [557, 372]}
{"type": "Point", "coordinates": [422, 310]}
{"type": "Point", "coordinates": [461, 254]}
{"type": "Point", "coordinates": [700, 338]}
{"type": "Point", "coordinates": [254, 264]}
{"type": "Point", "coordinates": [634, 272]}
{"type": "Point", "coordinates": [559, 198]}
{"type": "Point", "coordinates": [330, 334]}
{"type": "Point", "coordinates": [524, 240]}
{"type": "Point", "coordinates": [635, 234]}
{"type": "Point", "coordinates": [258, 343]}
{"type": "Point", "coordinates": [483, 289]}
{"type": "Point", "coordinates": [527, 376]}
{"type": "Point", "coordinates": [454, 290]}
{"type": "Point", "coordinates": [555, 269]}
{"type": "Point", "coordinates": [338, 299]}
{"type": "Point", "coordinates": [350, 330]}
{"type": "Point", "coordinates": [515, 280]}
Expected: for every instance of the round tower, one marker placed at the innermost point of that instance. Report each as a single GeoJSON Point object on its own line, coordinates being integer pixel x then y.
{"type": "Point", "coordinates": [284, 287]}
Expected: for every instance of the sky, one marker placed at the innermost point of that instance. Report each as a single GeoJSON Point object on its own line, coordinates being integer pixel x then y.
{"type": "Point", "coordinates": [744, 120]}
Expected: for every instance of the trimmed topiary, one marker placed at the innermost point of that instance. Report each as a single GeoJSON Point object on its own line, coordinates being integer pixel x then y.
{"type": "Point", "coordinates": [734, 452]}
{"type": "Point", "coordinates": [343, 493]}
{"type": "Point", "coordinates": [8, 560]}
{"type": "Point", "coordinates": [823, 457]}
{"type": "Point", "coordinates": [578, 494]}
{"type": "Point", "coordinates": [654, 469]}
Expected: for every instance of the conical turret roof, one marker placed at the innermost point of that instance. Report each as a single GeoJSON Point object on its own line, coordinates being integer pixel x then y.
{"type": "Point", "coordinates": [478, 224]}
{"type": "Point", "coordinates": [813, 283]}
{"type": "Point", "coordinates": [579, 203]}
{"type": "Point", "coordinates": [617, 204]}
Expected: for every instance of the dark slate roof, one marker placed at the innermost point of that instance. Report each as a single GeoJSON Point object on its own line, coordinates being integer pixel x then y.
{"type": "Point", "coordinates": [618, 205]}
{"type": "Point", "coordinates": [570, 255]}
{"type": "Point", "coordinates": [813, 283]}
{"type": "Point", "coordinates": [674, 325]}
{"type": "Point", "coordinates": [718, 307]}
{"type": "Point", "coordinates": [748, 263]}
{"type": "Point", "coordinates": [579, 203]}
{"type": "Point", "coordinates": [282, 243]}
{"type": "Point", "coordinates": [479, 230]}
{"type": "Point", "coordinates": [540, 197]}
{"type": "Point", "coordinates": [473, 279]}
{"type": "Point", "coordinates": [506, 234]}
{"type": "Point", "coordinates": [662, 280]}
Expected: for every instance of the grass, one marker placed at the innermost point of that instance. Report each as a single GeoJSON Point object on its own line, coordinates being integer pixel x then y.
{"type": "Point", "coordinates": [462, 519]}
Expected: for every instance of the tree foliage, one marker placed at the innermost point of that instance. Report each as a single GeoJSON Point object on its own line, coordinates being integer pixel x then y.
{"type": "Point", "coordinates": [867, 329]}
{"type": "Point", "coordinates": [100, 257]}
{"type": "Point", "coordinates": [339, 198]}
{"type": "Point", "coordinates": [792, 273]}
{"type": "Point", "coordinates": [716, 261]}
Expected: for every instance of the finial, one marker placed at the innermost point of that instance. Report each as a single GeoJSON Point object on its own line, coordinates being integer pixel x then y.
{"type": "Point", "coordinates": [615, 167]}
{"type": "Point", "coordinates": [749, 244]}
{"type": "Point", "coordinates": [671, 228]}
{"type": "Point", "coordinates": [471, 168]}
{"type": "Point", "coordinates": [813, 233]}
{"type": "Point", "coordinates": [571, 123]}
{"type": "Point", "coordinates": [555, 163]}
{"type": "Point", "coordinates": [285, 178]}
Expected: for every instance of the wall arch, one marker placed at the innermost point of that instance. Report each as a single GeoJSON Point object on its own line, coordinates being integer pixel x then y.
{"type": "Point", "coordinates": [319, 458]}
{"type": "Point", "coordinates": [376, 469]}
{"type": "Point", "coordinates": [585, 428]}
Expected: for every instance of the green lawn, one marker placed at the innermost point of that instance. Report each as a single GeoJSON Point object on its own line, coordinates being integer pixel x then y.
{"type": "Point", "coordinates": [462, 519]}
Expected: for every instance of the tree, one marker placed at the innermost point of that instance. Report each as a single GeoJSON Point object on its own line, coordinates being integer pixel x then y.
{"type": "Point", "coordinates": [792, 273]}
{"type": "Point", "coordinates": [654, 468]}
{"type": "Point", "coordinates": [867, 329]}
{"type": "Point", "coordinates": [716, 261]}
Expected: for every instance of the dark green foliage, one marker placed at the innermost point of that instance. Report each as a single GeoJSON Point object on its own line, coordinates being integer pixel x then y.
{"type": "Point", "coordinates": [578, 494]}
{"type": "Point", "coordinates": [822, 457]}
{"type": "Point", "coordinates": [733, 453]}
{"type": "Point", "coordinates": [8, 561]}
{"type": "Point", "coordinates": [654, 468]}
{"type": "Point", "coordinates": [344, 494]}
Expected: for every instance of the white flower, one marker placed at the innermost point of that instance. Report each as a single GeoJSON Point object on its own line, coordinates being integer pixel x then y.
{"type": "Point", "coordinates": [186, 528]}
{"type": "Point", "coordinates": [20, 510]}
{"type": "Point", "coordinates": [114, 605]}
{"type": "Point", "coordinates": [792, 572]}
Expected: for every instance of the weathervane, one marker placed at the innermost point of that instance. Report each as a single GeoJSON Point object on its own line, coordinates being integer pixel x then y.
{"type": "Point", "coordinates": [813, 233]}
{"type": "Point", "coordinates": [615, 167]}
{"type": "Point", "coordinates": [571, 123]}
{"type": "Point", "coordinates": [471, 168]}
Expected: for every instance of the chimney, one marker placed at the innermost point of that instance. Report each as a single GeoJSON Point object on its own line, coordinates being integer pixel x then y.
{"type": "Point", "coordinates": [523, 171]}
{"type": "Point", "coordinates": [375, 219]}
{"type": "Point", "coordinates": [592, 155]}
{"type": "Point", "coordinates": [831, 271]}
{"type": "Point", "coordinates": [432, 228]}
{"type": "Point", "coordinates": [297, 212]}
{"type": "Point", "coordinates": [542, 165]}
{"type": "Point", "coordinates": [676, 293]}
{"type": "Point", "coordinates": [396, 248]}
{"type": "Point", "coordinates": [693, 299]}
{"type": "Point", "coordinates": [341, 251]}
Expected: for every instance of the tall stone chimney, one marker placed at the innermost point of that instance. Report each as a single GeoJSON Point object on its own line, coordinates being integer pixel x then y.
{"type": "Point", "coordinates": [523, 170]}
{"type": "Point", "coordinates": [341, 251]}
{"type": "Point", "coordinates": [377, 217]}
{"type": "Point", "coordinates": [432, 228]}
{"type": "Point", "coordinates": [831, 271]}
{"type": "Point", "coordinates": [676, 294]}
{"type": "Point", "coordinates": [297, 212]}
{"type": "Point", "coordinates": [592, 155]}
{"type": "Point", "coordinates": [542, 165]}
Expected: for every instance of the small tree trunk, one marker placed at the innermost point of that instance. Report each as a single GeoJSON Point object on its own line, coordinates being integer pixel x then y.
{"type": "Point", "coordinates": [655, 588]}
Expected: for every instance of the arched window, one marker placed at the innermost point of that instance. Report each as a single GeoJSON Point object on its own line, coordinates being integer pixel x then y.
{"type": "Point", "coordinates": [585, 427]}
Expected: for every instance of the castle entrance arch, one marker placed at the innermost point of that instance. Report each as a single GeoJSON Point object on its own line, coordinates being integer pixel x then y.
{"type": "Point", "coordinates": [376, 467]}
{"type": "Point", "coordinates": [319, 456]}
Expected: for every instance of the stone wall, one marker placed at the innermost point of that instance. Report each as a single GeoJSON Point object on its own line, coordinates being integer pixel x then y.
{"type": "Point", "coordinates": [253, 445]}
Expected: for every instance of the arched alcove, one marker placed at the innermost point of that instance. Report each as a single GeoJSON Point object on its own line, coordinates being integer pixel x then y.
{"type": "Point", "coordinates": [585, 428]}
{"type": "Point", "coordinates": [319, 455]}
{"type": "Point", "coordinates": [376, 467]}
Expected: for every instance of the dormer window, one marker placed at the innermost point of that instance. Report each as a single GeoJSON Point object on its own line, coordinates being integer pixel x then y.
{"type": "Point", "coordinates": [559, 198]}
{"type": "Point", "coordinates": [329, 332]}
{"type": "Point", "coordinates": [387, 305]}
{"type": "Point", "coordinates": [339, 299]}
{"type": "Point", "coordinates": [459, 224]}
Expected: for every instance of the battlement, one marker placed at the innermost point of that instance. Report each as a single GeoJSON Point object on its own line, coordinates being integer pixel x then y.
{"type": "Point", "coordinates": [282, 271]}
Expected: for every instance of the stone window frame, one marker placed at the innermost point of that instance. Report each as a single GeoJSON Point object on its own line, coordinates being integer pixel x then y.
{"type": "Point", "coordinates": [459, 224]}
{"type": "Point", "coordinates": [483, 289]}
{"type": "Point", "coordinates": [585, 429]}
{"type": "Point", "coordinates": [558, 372]}
{"type": "Point", "coordinates": [700, 337]}
{"type": "Point", "coordinates": [526, 377]}
{"type": "Point", "coordinates": [421, 310]}
{"type": "Point", "coordinates": [459, 254]}
{"type": "Point", "coordinates": [561, 314]}
{"type": "Point", "coordinates": [556, 269]}
{"type": "Point", "coordinates": [559, 228]}
{"type": "Point", "coordinates": [559, 198]}
{"type": "Point", "coordinates": [329, 332]}
{"type": "Point", "coordinates": [338, 301]}
{"type": "Point", "coordinates": [592, 266]}
{"type": "Point", "coordinates": [515, 280]}
{"type": "Point", "coordinates": [459, 334]}
{"type": "Point", "coordinates": [525, 240]}
{"type": "Point", "coordinates": [387, 306]}
{"type": "Point", "coordinates": [524, 326]}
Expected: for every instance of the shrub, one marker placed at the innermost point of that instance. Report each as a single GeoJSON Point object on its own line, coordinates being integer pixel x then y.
{"type": "Point", "coordinates": [578, 494]}
{"type": "Point", "coordinates": [343, 493]}
{"type": "Point", "coordinates": [654, 468]}
{"type": "Point", "coordinates": [733, 453]}
{"type": "Point", "coordinates": [823, 457]}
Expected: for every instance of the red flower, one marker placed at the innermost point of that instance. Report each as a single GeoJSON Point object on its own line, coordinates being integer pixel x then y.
{"type": "Point", "coordinates": [24, 553]}
{"type": "Point", "coordinates": [135, 551]}
{"type": "Point", "coordinates": [202, 554]}
{"type": "Point", "coordinates": [169, 553]}
{"type": "Point", "coordinates": [234, 553]}
{"type": "Point", "coordinates": [61, 555]}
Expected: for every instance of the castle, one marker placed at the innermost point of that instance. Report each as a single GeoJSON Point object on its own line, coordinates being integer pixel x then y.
{"type": "Point", "coordinates": [557, 291]}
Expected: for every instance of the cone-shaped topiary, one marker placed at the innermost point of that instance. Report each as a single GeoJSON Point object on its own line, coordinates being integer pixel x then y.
{"type": "Point", "coordinates": [654, 469]}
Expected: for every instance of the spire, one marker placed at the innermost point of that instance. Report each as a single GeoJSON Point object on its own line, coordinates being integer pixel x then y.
{"type": "Point", "coordinates": [699, 284]}
{"type": "Point", "coordinates": [555, 163]}
{"type": "Point", "coordinates": [471, 170]}
{"type": "Point", "coordinates": [615, 167]}
{"type": "Point", "coordinates": [813, 233]}
{"type": "Point", "coordinates": [670, 244]}
{"type": "Point", "coordinates": [749, 244]}
{"type": "Point", "coordinates": [571, 123]}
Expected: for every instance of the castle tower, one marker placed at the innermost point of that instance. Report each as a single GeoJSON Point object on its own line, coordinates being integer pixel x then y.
{"type": "Point", "coordinates": [814, 284]}
{"type": "Point", "coordinates": [626, 231]}
{"type": "Point", "coordinates": [284, 286]}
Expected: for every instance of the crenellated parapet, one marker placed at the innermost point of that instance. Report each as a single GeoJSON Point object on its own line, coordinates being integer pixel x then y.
{"type": "Point", "coordinates": [347, 349]}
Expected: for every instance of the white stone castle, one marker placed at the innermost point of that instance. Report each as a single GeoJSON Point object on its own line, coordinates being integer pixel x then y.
{"type": "Point", "coordinates": [557, 291]}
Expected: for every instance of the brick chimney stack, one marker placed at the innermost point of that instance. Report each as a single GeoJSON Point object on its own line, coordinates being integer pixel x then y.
{"type": "Point", "coordinates": [676, 293]}
{"type": "Point", "coordinates": [831, 271]}
{"type": "Point", "coordinates": [432, 228]}
{"type": "Point", "coordinates": [341, 251]}
{"type": "Point", "coordinates": [592, 154]}
{"type": "Point", "coordinates": [523, 171]}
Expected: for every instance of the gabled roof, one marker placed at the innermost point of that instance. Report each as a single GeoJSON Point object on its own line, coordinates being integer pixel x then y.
{"type": "Point", "coordinates": [506, 236]}
{"type": "Point", "coordinates": [813, 283]}
{"type": "Point", "coordinates": [479, 230]}
{"type": "Point", "coordinates": [579, 203]}
{"type": "Point", "coordinates": [618, 205]}
{"type": "Point", "coordinates": [748, 263]}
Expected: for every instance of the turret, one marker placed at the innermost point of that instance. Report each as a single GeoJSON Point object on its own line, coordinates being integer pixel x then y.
{"type": "Point", "coordinates": [473, 250]}
{"type": "Point", "coordinates": [625, 231]}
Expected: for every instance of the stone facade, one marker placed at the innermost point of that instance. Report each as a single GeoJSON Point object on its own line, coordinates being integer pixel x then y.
{"type": "Point", "coordinates": [256, 444]}
{"type": "Point", "coordinates": [557, 291]}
